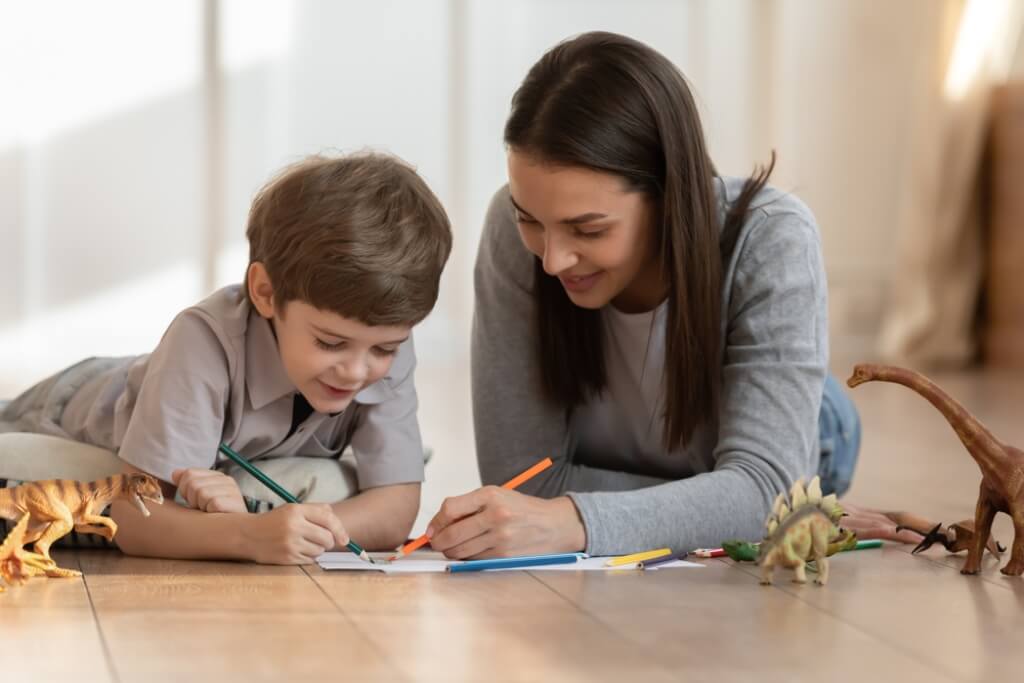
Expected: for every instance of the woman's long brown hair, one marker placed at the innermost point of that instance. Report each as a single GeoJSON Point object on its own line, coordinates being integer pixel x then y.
{"type": "Point", "coordinates": [609, 103]}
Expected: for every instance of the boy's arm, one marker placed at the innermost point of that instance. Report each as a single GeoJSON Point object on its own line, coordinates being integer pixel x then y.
{"type": "Point", "coordinates": [291, 534]}
{"type": "Point", "coordinates": [380, 518]}
{"type": "Point", "coordinates": [177, 532]}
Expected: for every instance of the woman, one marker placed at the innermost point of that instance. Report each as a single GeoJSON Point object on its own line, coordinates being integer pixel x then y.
{"type": "Point", "coordinates": [658, 330]}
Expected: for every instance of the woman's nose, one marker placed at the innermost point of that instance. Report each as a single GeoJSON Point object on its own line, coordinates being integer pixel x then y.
{"type": "Point", "coordinates": [558, 258]}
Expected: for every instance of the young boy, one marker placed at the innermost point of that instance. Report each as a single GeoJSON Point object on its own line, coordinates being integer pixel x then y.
{"type": "Point", "coordinates": [312, 354]}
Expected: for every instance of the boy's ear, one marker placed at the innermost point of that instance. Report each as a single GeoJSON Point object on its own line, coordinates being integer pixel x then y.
{"type": "Point", "coordinates": [261, 291]}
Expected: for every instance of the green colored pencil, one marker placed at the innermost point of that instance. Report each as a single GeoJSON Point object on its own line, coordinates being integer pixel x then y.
{"type": "Point", "coordinates": [864, 545]}
{"type": "Point", "coordinates": [276, 488]}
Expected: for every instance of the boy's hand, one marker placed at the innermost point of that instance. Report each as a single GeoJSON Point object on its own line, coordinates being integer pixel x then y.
{"type": "Point", "coordinates": [293, 534]}
{"type": "Point", "coordinates": [209, 490]}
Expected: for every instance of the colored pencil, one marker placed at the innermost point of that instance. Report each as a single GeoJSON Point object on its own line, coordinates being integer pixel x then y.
{"type": "Point", "coordinates": [672, 557]}
{"type": "Point", "coordinates": [279, 490]}
{"type": "Point", "coordinates": [638, 557]}
{"type": "Point", "coordinates": [864, 545]}
{"type": "Point", "coordinates": [509, 562]}
{"type": "Point", "coordinates": [709, 552]}
{"type": "Point", "coordinates": [512, 483]}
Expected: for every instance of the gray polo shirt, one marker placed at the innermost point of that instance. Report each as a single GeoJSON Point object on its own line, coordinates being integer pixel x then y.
{"type": "Point", "coordinates": [217, 376]}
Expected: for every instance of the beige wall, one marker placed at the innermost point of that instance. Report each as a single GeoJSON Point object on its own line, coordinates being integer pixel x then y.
{"type": "Point", "coordinates": [847, 76]}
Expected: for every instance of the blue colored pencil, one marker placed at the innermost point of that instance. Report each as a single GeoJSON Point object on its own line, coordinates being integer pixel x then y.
{"type": "Point", "coordinates": [509, 562]}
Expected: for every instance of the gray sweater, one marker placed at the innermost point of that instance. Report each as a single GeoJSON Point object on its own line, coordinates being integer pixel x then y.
{"type": "Point", "coordinates": [632, 497]}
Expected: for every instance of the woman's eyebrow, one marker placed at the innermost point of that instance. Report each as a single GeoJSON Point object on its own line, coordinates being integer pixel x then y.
{"type": "Point", "coordinates": [575, 220]}
{"type": "Point", "coordinates": [519, 208]}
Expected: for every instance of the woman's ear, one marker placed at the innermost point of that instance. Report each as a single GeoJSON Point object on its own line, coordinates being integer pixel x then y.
{"type": "Point", "coordinates": [261, 290]}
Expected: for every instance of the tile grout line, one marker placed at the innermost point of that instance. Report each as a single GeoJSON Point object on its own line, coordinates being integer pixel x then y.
{"type": "Point", "coordinates": [373, 645]}
{"type": "Point", "coordinates": [107, 656]}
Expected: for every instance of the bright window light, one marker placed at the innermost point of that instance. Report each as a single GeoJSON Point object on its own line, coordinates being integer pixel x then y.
{"type": "Point", "coordinates": [982, 30]}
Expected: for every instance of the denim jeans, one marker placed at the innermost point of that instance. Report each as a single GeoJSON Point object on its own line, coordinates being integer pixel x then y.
{"type": "Point", "coordinates": [838, 438]}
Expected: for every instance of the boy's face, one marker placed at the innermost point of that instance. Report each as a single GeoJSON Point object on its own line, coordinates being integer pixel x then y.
{"type": "Point", "coordinates": [328, 357]}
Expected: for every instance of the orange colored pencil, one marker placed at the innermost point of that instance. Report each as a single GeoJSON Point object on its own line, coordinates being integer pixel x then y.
{"type": "Point", "coordinates": [514, 482]}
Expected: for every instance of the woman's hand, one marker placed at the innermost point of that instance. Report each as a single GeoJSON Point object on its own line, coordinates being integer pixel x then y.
{"type": "Point", "coordinates": [209, 490]}
{"type": "Point", "coordinates": [497, 522]}
{"type": "Point", "coordinates": [293, 534]}
{"type": "Point", "coordinates": [868, 524]}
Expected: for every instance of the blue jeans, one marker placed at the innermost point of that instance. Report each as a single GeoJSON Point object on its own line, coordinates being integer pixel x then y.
{"type": "Point", "coordinates": [838, 438]}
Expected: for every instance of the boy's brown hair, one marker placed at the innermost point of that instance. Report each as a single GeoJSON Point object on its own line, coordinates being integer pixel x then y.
{"type": "Point", "coordinates": [359, 235]}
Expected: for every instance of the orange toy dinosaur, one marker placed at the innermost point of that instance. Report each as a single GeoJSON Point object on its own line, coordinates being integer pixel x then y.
{"type": "Point", "coordinates": [1002, 466]}
{"type": "Point", "coordinates": [56, 506]}
{"type": "Point", "coordinates": [18, 564]}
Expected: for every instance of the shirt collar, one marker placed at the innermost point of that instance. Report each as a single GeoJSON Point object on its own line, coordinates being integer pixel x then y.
{"type": "Point", "coordinates": [265, 376]}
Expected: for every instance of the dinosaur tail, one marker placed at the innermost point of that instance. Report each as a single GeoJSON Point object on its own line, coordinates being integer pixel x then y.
{"type": "Point", "coordinates": [8, 510]}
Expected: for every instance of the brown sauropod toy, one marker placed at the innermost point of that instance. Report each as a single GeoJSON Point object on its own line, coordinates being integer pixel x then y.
{"type": "Point", "coordinates": [1002, 466]}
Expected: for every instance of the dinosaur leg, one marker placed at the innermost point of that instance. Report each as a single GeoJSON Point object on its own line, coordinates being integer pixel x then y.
{"type": "Point", "coordinates": [767, 569]}
{"type": "Point", "coordinates": [95, 529]}
{"type": "Point", "coordinates": [97, 524]}
{"type": "Point", "coordinates": [819, 553]}
{"type": "Point", "coordinates": [823, 569]}
{"type": "Point", "coordinates": [800, 573]}
{"type": "Point", "coordinates": [56, 529]}
{"type": "Point", "coordinates": [1015, 567]}
{"type": "Point", "coordinates": [983, 516]}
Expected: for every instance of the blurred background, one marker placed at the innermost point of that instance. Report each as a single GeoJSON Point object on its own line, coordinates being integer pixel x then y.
{"type": "Point", "coordinates": [133, 136]}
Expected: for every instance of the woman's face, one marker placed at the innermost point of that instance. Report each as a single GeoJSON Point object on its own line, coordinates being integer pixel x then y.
{"type": "Point", "coordinates": [589, 231]}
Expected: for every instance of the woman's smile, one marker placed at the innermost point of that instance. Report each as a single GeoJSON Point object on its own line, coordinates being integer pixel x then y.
{"type": "Point", "coordinates": [580, 283]}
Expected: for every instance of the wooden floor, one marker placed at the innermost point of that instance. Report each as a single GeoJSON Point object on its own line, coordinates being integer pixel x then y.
{"type": "Point", "coordinates": [886, 615]}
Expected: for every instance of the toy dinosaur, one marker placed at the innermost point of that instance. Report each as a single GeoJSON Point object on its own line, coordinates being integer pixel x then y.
{"type": "Point", "coordinates": [1002, 466]}
{"type": "Point", "coordinates": [745, 551]}
{"type": "Point", "coordinates": [13, 560]}
{"type": "Point", "coordinates": [56, 506]}
{"type": "Point", "coordinates": [954, 538]}
{"type": "Point", "coordinates": [17, 565]}
{"type": "Point", "coordinates": [799, 532]}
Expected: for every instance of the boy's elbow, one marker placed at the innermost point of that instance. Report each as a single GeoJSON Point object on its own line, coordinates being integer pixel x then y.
{"type": "Point", "coordinates": [406, 509]}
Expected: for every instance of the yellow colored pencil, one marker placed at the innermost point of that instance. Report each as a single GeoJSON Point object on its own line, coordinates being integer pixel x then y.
{"type": "Point", "coordinates": [638, 557]}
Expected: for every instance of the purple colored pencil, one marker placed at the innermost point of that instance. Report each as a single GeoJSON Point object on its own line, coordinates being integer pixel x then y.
{"type": "Point", "coordinates": [662, 560]}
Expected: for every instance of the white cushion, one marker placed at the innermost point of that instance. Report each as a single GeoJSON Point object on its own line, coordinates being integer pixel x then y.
{"type": "Point", "coordinates": [30, 457]}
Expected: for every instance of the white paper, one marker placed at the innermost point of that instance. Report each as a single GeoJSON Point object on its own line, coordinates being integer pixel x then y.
{"type": "Point", "coordinates": [343, 561]}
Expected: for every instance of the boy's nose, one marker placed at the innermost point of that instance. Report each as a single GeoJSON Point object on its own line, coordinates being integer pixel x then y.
{"type": "Point", "coordinates": [353, 372]}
